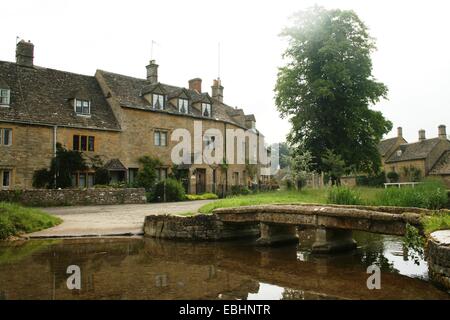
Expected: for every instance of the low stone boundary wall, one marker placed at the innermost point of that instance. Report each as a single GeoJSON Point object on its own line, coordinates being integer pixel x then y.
{"type": "Point", "coordinates": [438, 252]}
{"type": "Point", "coordinates": [72, 197]}
{"type": "Point", "coordinates": [199, 227]}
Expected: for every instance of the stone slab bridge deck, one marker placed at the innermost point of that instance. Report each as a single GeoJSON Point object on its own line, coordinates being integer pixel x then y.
{"type": "Point", "coordinates": [334, 223]}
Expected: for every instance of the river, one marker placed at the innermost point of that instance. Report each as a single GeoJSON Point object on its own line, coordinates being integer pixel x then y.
{"type": "Point", "coordinates": [140, 268]}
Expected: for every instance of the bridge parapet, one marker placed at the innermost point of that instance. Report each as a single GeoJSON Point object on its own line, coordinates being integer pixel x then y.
{"type": "Point", "coordinates": [324, 216]}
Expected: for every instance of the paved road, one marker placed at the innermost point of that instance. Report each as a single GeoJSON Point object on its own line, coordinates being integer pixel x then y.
{"type": "Point", "coordinates": [110, 220]}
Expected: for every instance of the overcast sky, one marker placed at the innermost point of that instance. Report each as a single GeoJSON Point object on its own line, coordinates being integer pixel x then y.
{"type": "Point", "coordinates": [413, 39]}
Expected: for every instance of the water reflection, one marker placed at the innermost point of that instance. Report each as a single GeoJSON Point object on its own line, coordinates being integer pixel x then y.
{"type": "Point", "coordinates": [149, 269]}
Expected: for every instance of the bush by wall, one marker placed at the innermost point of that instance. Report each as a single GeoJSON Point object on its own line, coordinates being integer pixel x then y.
{"type": "Point", "coordinates": [168, 190]}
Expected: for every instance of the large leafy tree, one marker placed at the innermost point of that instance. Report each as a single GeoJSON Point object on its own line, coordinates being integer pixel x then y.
{"type": "Point", "coordinates": [327, 87]}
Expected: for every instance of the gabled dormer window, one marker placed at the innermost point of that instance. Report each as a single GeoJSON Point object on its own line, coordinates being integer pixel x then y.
{"type": "Point", "coordinates": [206, 110]}
{"type": "Point", "coordinates": [158, 101]}
{"type": "Point", "coordinates": [4, 97]}
{"type": "Point", "coordinates": [183, 105]}
{"type": "Point", "coordinates": [82, 107]}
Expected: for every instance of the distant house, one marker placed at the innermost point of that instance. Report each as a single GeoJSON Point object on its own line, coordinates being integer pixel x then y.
{"type": "Point", "coordinates": [426, 157]}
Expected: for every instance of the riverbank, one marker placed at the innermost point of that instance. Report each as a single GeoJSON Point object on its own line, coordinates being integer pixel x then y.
{"type": "Point", "coordinates": [16, 220]}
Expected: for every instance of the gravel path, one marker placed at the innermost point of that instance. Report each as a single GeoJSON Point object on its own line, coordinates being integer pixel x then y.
{"type": "Point", "coordinates": [115, 220]}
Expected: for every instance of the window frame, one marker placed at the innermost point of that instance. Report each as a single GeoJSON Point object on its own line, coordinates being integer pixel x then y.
{"type": "Point", "coordinates": [182, 102]}
{"type": "Point", "coordinates": [6, 97]}
{"type": "Point", "coordinates": [78, 146]}
{"type": "Point", "coordinates": [158, 97]}
{"type": "Point", "coordinates": [159, 134]}
{"type": "Point", "coordinates": [207, 106]}
{"type": "Point", "coordinates": [82, 106]}
{"type": "Point", "coordinates": [9, 171]}
{"type": "Point", "coordinates": [2, 137]}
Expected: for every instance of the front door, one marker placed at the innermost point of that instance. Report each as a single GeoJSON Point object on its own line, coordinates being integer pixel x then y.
{"type": "Point", "coordinates": [201, 181]}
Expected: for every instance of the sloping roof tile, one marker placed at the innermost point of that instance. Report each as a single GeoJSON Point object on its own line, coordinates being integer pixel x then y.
{"type": "Point", "coordinates": [385, 145]}
{"type": "Point", "coordinates": [128, 91]}
{"type": "Point", "coordinates": [442, 166]}
{"type": "Point", "coordinates": [43, 96]}
{"type": "Point", "coordinates": [414, 151]}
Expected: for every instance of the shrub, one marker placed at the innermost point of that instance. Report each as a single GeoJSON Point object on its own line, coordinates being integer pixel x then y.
{"type": "Point", "coordinates": [393, 176]}
{"type": "Point", "coordinates": [343, 195]}
{"type": "Point", "coordinates": [146, 177]}
{"type": "Point", "coordinates": [431, 194]}
{"type": "Point", "coordinates": [102, 176]}
{"type": "Point", "coordinates": [205, 196]}
{"type": "Point", "coordinates": [168, 190]}
{"type": "Point", "coordinates": [239, 190]}
{"type": "Point", "coordinates": [376, 180]}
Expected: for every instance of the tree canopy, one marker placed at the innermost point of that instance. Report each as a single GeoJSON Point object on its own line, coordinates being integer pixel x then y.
{"type": "Point", "coordinates": [327, 87]}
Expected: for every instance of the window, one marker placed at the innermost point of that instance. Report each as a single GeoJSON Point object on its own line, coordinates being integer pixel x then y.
{"type": "Point", "coordinates": [5, 137]}
{"type": "Point", "coordinates": [83, 143]}
{"type": "Point", "coordinates": [6, 178]}
{"type": "Point", "coordinates": [82, 107]}
{"type": "Point", "coordinates": [206, 110]}
{"type": "Point", "coordinates": [160, 138]}
{"type": "Point", "coordinates": [4, 97]}
{"type": "Point", "coordinates": [236, 178]}
{"type": "Point", "coordinates": [161, 173]}
{"type": "Point", "coordinates": [158, 101]}
{"type": "Point", "coordinates": [132, 174]}
{"type": "Point", "coordinates": [183, 105]}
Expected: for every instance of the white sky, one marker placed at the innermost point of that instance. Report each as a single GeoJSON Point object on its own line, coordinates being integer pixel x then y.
{"type": "Point", "coordinates": [413, 39]}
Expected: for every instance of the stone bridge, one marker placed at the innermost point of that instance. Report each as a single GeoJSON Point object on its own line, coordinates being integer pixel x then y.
{"type": "Point", "coordinates": [334, 224]}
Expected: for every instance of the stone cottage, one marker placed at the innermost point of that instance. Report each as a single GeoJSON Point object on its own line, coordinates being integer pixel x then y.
{"type": "Point", "coordinates": [426, 157]}
{"type": "Point", "coordinates": [109, 116]}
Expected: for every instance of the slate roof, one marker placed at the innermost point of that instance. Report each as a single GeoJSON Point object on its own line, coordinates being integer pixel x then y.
{"type": "Point", "coordinates": [115, 165]}
{"type": "Point", "coordinates": [130, 93]}
{"type": "Point", "coordinates": [414, 151]}
{"type": "Point", "coordinates": [385, 145]}
{"type": "Point", "coordinates": [442, 166]}
{"type": "Point", "coordinates": [45, 96]}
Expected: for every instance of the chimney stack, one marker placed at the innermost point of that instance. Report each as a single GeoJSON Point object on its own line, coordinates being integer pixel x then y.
{"type": "Point", "coordinates": [196, 84]}
{"type": "Point", "coordinates": [217, 90]}
{"type": "Point", "coordinates": [422, 135]}
{"type": "Point", "coordinates": [400, 132]}
{"type": "Point", "coordinates": [152, 72]}
{"type": "Point", "coordinates": [25, 53]}
{"type": "Point", "coordinates": [442, 132]}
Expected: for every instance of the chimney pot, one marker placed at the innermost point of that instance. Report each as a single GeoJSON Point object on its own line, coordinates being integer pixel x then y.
{"type": "Point", "coordinates": [422, 135]}
{"type": "Point", "coordinates": [25, 53]}
{"type": "Point", "coordinates": [152, 72]}
{"type": "Point", "coordinates": [442, 132]}
{"type": "Point", "coordinates": [400, 132]}
{"type": "Point", "coordinates": [196, 84]}
{"type": "Point", "coordinates": [217, 90]}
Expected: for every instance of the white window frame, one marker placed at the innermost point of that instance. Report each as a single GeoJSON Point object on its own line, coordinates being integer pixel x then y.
{"type": "Point", "coordinates": [158, 97]}
{"type": "Point", "coordinates": [5, 94]}
{"type": "Point", "coordinates": [158, 141]}
{"type": "Point", "coordinates": [9, 178]}
{"type": "Point", "coordinates": [183, 103]}
{"type": "Point", "coordinates": [82, 106]}
{"type": "Point", "coordinates": [206, 106]}
{"type": "Point", "coordinates": [2, 136]}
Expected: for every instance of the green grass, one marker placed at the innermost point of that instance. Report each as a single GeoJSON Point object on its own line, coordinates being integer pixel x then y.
{"type": "Point", "coordinates": [438, 221]}
{"type": "Point", "coordinates": [16, 219]}
{"type": "Point", "coordinates": [304, 196]}
{"type": "Point", "coordinates": [430, 195]}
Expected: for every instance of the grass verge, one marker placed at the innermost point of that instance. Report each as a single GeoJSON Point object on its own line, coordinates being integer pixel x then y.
{"type": "Point", "coordinates": [438, 221]}
{"type": "Point", "coordinates": [16, 219]}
